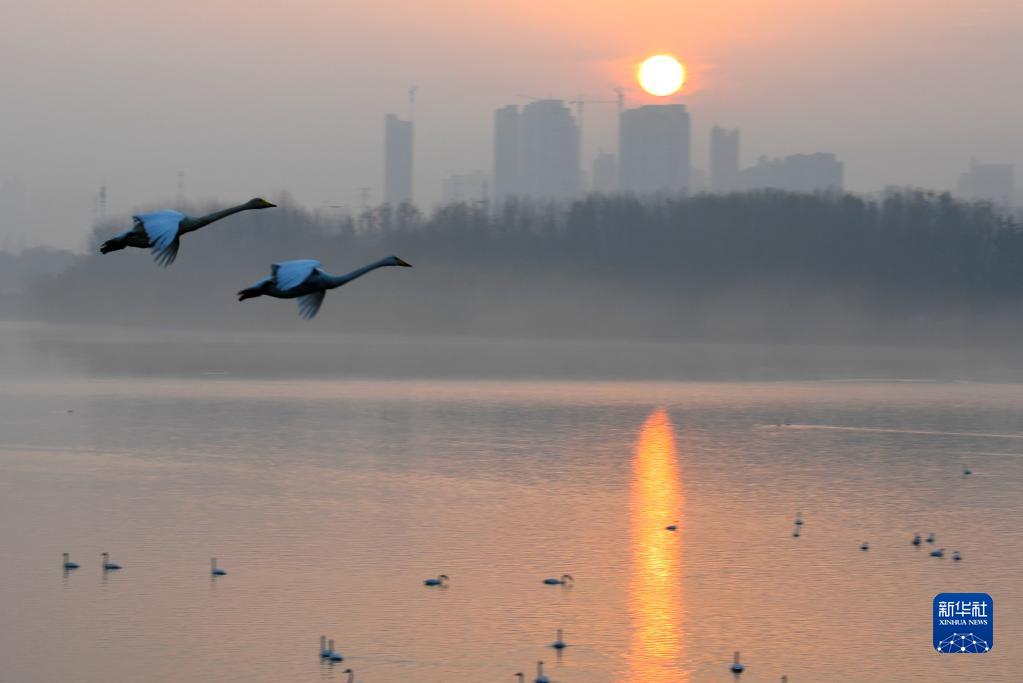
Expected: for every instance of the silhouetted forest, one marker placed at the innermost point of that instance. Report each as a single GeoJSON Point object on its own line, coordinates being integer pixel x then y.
{"type": "Point", "coordinates": [755, 266]}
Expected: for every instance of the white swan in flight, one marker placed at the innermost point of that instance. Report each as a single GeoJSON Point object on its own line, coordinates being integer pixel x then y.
{"type": "Point", "coordinates": [161, 231]}
{"type": "Point", "coordinates": [303, 280]}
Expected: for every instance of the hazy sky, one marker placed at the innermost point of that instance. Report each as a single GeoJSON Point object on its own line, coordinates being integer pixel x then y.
{"type": "Point", "coordinates": [251, 97]}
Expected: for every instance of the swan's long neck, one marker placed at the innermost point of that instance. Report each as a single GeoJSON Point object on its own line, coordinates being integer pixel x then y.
{"type": "Point", "coordinates": [190, 224]}
{"type": "Point", "coordinates": [338, 280]}
{"type": "Point", "coordinates": [351, 677]}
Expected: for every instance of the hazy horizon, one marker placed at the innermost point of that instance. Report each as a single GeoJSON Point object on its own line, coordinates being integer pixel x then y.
{"type": "Point", "coordinates": [248, 101]}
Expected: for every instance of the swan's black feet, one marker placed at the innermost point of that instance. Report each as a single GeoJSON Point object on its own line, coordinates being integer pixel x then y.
{"type": "Point", "coordinates": [112, 245]}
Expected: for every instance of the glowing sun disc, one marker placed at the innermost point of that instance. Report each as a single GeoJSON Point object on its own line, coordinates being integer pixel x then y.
{"type": "Point", "coordinates": [662, 75]}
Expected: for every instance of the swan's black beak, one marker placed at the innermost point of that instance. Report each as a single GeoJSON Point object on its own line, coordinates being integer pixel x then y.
{"type": "Point", "coordinates": [402, 262]}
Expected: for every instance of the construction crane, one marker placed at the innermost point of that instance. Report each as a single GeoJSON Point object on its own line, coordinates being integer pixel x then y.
{"type": "Point", "coordinates": [580, 103]}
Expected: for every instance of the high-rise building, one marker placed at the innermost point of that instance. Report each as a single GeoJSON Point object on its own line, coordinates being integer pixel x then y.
{"type": "Point", "coordinates": [507, 152]}
{"type": "Point", "coordinates": [397, 160]}
{"type": "Point", "coordinates": [550, 150]}
{"type": "Point", "coordinates": [995, 183]}
{"type": "Point", "coordinates": [724, 159]}
{"type": "Point", "coordinates": [653, 149]}
{"type": "Point", "coordinates": [605, 173]}
{"type": "Point", "coordinates": [820, 172]}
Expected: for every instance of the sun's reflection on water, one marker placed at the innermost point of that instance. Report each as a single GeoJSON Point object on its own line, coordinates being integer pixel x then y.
{"type": "Point", "coordinates": [655, 589]}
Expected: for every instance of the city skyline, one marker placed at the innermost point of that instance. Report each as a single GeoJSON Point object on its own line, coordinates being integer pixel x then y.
{"type": "Point", "coordinates": [892, 106]}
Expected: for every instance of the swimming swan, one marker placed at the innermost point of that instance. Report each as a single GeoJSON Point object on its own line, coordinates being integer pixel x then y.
{"type": "Point", "coordinates": [559, 644]}
{"type": "Point", "coordinates": [565, 580]}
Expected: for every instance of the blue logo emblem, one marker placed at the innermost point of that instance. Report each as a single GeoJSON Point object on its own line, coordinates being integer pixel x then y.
{"type": "Point", "coordinates": [964, 623]}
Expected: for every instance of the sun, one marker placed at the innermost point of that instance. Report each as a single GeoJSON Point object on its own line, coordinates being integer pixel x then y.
{"type": "Point", "coordinates": [661, 75]}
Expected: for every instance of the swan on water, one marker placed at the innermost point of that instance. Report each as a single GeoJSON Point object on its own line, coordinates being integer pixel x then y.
{"type": "Point", "coordinates": [916, 538]}
{"type": "Point", "coordinates": [304, 280]}
{"type": "Point", "coordinates": [566, 579]}
{"type": "Point", "coordinates": [940, 552]}
{"type": "Point", "coordinates": [161, 231]}
{"type": "Point", "coordinates": [559, 643]}
{"type": "Point", "coordinates": [441, 580]}
{"type": "Point", "coordinates": [324, 650]}
{"type": "Point", "coordinates": [956, 556]}
{"type": "Point", "coordinates": [736, 667]}
{"type": "Point", "coordinates": [68, 564]}
{"type": "Point", "coordinates": [540, 676]}
{"type": "Point", "coordinates": [214, 569]}
{"type": "Point", "coordinates": [334, 655]}
{"type": "Point", "coordinates": [108, 565]}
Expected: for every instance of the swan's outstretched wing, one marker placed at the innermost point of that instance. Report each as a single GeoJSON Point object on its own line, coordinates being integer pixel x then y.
{"type": "Point", "coordinates": [290, 274]}
{"type": "Point", "coordinates": [161, 227]}
{"type": "Point", "coordinates": [309, 305]}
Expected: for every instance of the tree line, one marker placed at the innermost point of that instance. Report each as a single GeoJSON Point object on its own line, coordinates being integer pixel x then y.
{"type": "Point", "coordinates": [754, 265]}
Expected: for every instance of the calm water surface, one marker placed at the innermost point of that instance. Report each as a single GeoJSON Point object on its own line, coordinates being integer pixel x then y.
{"type": "Point", "coordinates": [330, 500]}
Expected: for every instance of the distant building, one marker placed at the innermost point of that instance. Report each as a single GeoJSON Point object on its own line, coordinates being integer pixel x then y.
{"type": "Point", "coordinates": [550, 151]}
{"type": "Point", "coordinates": [995, 183]}
{"type": "Point", "coordinates": [724, 159]}
{"type": "Point", "coordinates": [605, 173]}
{"type": "Point", "coordinates": [466, 187]}
{"type": "Point", "coordinates": [397, 160]}
{"type": "Point", "coordinates": [507, 152]}
{"type": "Point", "coordinates": [698, 181]}
{"type": "Point", "coordinates": [653, 149]}
{"type": "Point", "coordinates": [821, 172]}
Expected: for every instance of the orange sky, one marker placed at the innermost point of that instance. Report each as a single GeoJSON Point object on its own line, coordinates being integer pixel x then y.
{"type": "Point", "coordinates": [250, 96]}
